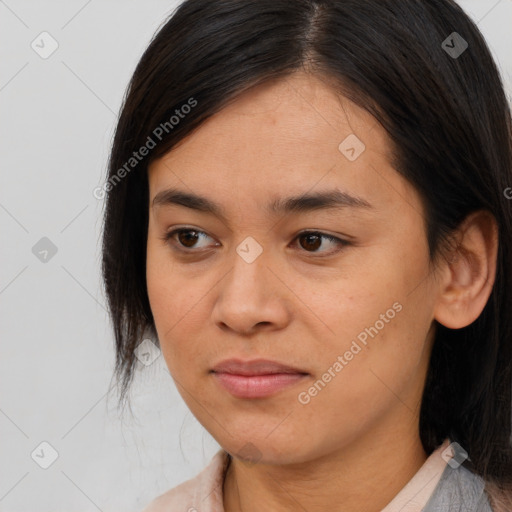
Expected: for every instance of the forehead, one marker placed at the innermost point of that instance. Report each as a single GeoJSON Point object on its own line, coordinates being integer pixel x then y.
{"type": "Point", "coordinates": [288, 135]}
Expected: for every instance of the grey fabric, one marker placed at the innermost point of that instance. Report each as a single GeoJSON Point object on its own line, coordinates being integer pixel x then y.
{"type": "Point", "coordinates": [458, 490]}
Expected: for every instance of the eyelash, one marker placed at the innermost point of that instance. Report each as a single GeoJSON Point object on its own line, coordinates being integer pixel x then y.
{"type": "Point", "coordinates": [168, 236]}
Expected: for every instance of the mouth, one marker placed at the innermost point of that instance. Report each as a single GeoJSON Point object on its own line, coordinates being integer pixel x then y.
{"type": "Point", "coordinates": [258, 378]}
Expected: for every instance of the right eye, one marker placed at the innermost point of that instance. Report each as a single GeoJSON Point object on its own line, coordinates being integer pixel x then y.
{"type": "Point", "coordinates": [185, 239]}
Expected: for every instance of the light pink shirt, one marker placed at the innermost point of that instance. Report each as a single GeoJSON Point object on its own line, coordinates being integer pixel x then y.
{"type": "Point", "coordinates": [203, 493]}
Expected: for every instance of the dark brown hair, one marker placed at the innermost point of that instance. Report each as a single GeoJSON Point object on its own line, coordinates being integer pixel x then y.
{"type": "Point", "coordinates": [447, 117]}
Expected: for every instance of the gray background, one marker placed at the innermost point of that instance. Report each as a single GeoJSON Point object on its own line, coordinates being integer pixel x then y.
{"type": "Point", "coordinates": [57, 120]}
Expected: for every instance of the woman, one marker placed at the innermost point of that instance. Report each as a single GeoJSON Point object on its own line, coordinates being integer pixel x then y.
{"type": "Point", "coordinates": [307, 209]}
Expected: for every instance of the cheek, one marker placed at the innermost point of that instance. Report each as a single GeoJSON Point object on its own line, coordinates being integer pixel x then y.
{"type": "Point", "coordinates": [169, 292]}
{"type": "Point", "coordinates": [161, 282]}
{"type": "Point", "coordinates": [360, 382]}
{"type": "Point", "coordinates": [177, 303]}
{"type": "Point", "coordinates": [159, 279]}
{"type": "Point", "coordinates": [375, 340]}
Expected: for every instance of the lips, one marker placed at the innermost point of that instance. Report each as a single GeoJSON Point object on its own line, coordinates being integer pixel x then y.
{"type": "Point", "coordinates": [258, 378]}
{"type": "Point", "coordinates": [254, 367]}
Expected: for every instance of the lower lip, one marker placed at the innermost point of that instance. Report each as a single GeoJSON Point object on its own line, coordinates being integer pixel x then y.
{"type": "Point", "coordinates": [257, 386]}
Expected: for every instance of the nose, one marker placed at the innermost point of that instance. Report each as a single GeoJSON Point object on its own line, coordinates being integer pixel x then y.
{"type": "Point", "coordinates": [251, 298]}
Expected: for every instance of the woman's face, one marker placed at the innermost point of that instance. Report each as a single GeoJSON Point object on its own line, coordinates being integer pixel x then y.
{"type": "Point", "coordinates": [353, 316]}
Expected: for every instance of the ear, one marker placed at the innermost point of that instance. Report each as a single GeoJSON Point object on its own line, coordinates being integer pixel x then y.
{"type": "Point", "coordinates": [468, 276]}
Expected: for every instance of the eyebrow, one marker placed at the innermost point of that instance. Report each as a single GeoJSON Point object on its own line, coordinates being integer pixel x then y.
{"type": "Point", "coordinates": [329, 199]}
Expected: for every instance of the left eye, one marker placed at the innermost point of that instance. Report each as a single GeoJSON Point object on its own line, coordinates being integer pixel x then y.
{"type": "Point", "coordinates": [187, 238]}
{"type": "Point", "coordinates": [314, 240]}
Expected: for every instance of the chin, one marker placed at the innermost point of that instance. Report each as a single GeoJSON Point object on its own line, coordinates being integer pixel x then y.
{"type": "Point", "coordinates": [259, 450]}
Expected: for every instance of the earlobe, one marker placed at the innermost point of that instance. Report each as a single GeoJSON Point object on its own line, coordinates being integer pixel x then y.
{"type": "Point", "coordinates": [469, 272]}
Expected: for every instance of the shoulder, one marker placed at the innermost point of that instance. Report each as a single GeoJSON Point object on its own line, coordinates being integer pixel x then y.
{"type": "Point", "coordinates": [459, 490]}
{"type": "Point", "coordinates": [178, 498]}
{"type": "Point", "coordinates": [202, 492]}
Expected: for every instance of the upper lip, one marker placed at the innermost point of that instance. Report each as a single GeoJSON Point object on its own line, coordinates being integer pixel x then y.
{"type": "Point", "coordinates": [254, 367]}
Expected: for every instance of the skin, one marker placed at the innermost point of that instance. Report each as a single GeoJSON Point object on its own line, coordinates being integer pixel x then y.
{"type": "Point", "coordinates": [301, 302]}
